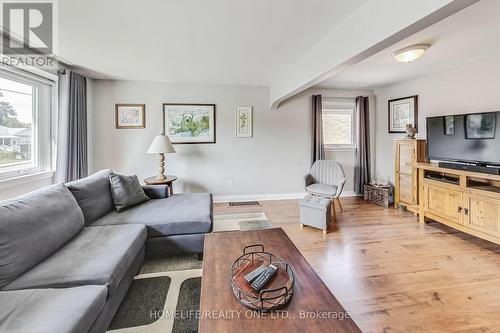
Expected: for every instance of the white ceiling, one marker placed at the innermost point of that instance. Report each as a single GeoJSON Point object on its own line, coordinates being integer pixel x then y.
{"type": "Point", "coordinates": [465, 37]}
{"type": "Point", "coordinates": [216, 41]}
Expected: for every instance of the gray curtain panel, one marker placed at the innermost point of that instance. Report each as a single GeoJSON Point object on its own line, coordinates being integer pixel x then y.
{"type": "Point", "coordinates": [362, 167]}
{"type": "Point", "coordinates": [318, 147]}
{"type": "Point", "coordinates": [72, 159]}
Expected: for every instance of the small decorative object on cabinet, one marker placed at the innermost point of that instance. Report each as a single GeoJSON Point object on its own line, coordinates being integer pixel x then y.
{"type": "Point", "coordinates": [405, 177]}
{"type": "Point", "coordinates": [410, 132]}
{"type": "Point", "coordinates": [378, 195]}
{"type": "Point", "coordinates": [244, 122]}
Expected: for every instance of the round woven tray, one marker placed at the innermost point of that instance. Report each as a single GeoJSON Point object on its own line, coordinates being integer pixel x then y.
{"type": "Point", "coordinates": [278, 290]}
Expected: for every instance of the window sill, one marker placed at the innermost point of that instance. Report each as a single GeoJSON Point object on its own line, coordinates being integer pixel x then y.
{"type": "Point", "coordinates": [340, 148]}
{"type": "Point", "coordinates": [24, 179]}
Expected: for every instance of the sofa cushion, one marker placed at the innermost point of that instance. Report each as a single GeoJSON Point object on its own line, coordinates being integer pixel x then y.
{"type": "Point", "coordinates": [93, 194]}
{"type": "Point", "coordinates": [187, 213]}
{"type": "Point", "coordinates": [156, 191]}
{"type": "Point", "coordinates": [322, 189]}
{"type": "Point", "coordinates": [96, 256]}
{"type": "Point", "coordinates": [33, 226]}
{"type": "Point", "coordinates": [126, 191]}
{"type": "Point", "coordinates": [51, 310]}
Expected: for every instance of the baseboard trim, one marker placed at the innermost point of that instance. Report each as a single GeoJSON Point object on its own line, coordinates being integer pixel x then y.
{"type": "Point", "coordinates": [349, 194]}
{"type": "Point", "coordinates": [268, 197]}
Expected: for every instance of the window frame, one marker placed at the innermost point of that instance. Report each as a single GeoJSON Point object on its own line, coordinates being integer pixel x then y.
{"type": "Point", "coordinates": [342, 106]}
{"type": "Point", "coordinates": [43, 145]}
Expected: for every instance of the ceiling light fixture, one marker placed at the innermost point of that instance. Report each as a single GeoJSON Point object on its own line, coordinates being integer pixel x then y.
{"type": "Point", "coordinates": [410, 53]}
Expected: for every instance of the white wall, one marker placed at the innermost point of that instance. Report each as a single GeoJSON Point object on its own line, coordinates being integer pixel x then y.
{"type": "Point", "coordinates": [470, 88]}
{"type": "Point", "coordinates": [272, 162]}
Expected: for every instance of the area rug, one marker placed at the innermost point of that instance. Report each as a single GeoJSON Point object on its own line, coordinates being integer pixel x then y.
{"type": "Point", "coordinates": [163, 298]}
{"type": "Point", "coordinates": [165, 295]}
{"type": "Point", "coordinates": [177, 263]}
{"type": "Point", "coordinates": [248, 221]}
{"type": "Point", "coordinates": [189, 303]}
{"type": "Point", "coordinates": [144, 296]}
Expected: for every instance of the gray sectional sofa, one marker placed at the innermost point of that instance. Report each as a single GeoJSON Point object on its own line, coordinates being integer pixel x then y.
{"type": "Point", "coordinates": [68, 258]}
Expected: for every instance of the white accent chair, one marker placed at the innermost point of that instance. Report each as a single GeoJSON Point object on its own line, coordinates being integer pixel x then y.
{"type": "Point", "coordinates": [326, 179]}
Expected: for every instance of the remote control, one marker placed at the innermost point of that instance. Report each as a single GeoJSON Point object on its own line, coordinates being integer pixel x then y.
{"type": "Point", "coordinates": [253, 274]}
{"type": "Point", "coordinates": [260, 281]}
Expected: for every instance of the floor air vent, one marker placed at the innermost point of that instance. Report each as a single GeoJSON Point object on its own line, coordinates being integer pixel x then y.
{"type": "Point", "coordinates": [244, 203]}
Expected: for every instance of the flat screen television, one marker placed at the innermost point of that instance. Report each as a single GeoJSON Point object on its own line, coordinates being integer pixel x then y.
{"type": "Point", "coordinates": [470, 138]}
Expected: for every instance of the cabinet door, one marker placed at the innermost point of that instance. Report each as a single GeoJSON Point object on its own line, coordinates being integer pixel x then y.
{"type": "Point", "coordinates": [483, 214]}
{"type": "Point", "coordinates": [406, 154]}
{"type": "Point", "coordinates": [443, 202]}
{"type": "Point", "coordinates": [405, 188]}
{"type": "Point", "coordinates": [405, 176]}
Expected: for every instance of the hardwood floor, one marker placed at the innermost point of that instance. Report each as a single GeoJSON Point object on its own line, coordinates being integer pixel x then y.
{"type": "Point", "coordinates": [393, 274]}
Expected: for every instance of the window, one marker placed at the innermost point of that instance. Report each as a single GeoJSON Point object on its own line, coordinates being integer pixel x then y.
{"type": "Point", "coordinates": [339, 123]}
{"type": "Point", "coordinates": [25, 123]}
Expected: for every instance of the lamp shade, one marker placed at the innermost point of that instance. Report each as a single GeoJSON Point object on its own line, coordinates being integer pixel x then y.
{"type": "Point", "coordinates": [161, 144]}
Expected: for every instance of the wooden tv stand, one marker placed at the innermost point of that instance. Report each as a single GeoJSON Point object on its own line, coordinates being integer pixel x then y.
{"type": "Point", "coordinates": [465, 200]}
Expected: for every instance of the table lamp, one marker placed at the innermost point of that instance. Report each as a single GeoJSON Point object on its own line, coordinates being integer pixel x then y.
{"type": "Point", "coordinates": [161, 145]}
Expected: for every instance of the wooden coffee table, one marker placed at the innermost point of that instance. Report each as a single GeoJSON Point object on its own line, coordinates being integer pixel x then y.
{"type": "Point", "coordinates": [313, 308]}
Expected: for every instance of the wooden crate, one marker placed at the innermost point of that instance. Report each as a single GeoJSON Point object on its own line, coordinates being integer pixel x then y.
{"type": "Point", "coordinates": [381, 196]}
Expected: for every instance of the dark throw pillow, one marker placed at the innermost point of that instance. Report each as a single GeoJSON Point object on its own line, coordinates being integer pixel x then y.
{"type": "Point", "coordinates": [126, 191]}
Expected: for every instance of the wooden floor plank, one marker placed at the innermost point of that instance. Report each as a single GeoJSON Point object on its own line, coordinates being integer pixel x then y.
{"type": "Point", "coordinates": [393, 274]}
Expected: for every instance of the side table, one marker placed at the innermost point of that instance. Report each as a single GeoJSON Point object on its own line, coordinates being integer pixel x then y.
{"type": "Point", "coordinates": [169, 179]}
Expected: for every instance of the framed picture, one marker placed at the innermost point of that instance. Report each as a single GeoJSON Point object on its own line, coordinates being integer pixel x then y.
{"type": "Point", "coordinates": [189, 123]}
{"type": "Point", "coordinates": [244, 122]}
{"type": "Point", "coordinates": [449, 125]}
{"type": "Point", "coordinates": [130, 116]}
{"type": "Point", "coordinates": [403, 111]}
{"type": "Point", "coordinates": [480, 126]}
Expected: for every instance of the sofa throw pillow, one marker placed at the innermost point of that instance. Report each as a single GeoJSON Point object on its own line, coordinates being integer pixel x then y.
{"type": "Point", "coordinates": [126, 191]}
{"type": "Point", "coordinates": [93, 194]}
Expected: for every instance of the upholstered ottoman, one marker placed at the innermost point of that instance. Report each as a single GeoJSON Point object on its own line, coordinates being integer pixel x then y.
{"type": "Point", "coordinates": [315, 212]}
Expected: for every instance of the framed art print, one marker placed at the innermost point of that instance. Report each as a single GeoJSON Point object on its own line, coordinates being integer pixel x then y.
{"type": "Point", "coordinates": [403, 111]}
{"type": "Point", "coordinates": [189, 123]}
{"type": "Point", "coordinates": [244, 122]}
{"type": "Point", "coordinates": [130, 116]}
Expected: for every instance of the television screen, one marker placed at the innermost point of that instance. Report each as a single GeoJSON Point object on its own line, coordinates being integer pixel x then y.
{"type": "Point", "coordinates": [466, 138]}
